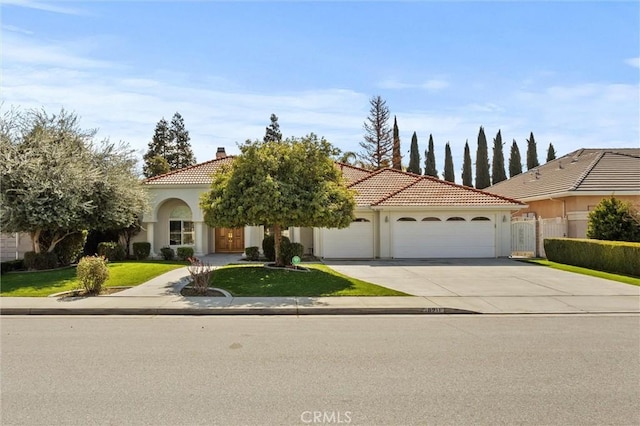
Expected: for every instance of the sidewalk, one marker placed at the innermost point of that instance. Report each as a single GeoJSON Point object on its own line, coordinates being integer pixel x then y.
{"type": "Point", "coordinates": [161, 296]}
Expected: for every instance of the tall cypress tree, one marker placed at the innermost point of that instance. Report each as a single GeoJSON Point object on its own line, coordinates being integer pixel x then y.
{"type": "Point", "coordinates": [551, 153]}
{"type": "Point", "coordinates": [497, 165]}
{"type": "Point", "coordinates": [414, 156]}
{"type": "Point", "coordinates": [449, 174]}
{"type": "Point", "coordinates": [160, 146]}
{"type": "Point", "coordinates": [396, 158]}
{"type": "Point", "coordinates": [532, 153]}
{"type": "Point", "coordinates": [430, 161]}
{"type": "Point", "coordinates": [182, 155]}
{"type": "Point", "coordinates": [467, 178]}
{"type": "Point", "coordinates": [483, 179]}
{"type": "Point", "coordinates": [272, 132]}
{"type": "Point", "coordinates": [515, 161]}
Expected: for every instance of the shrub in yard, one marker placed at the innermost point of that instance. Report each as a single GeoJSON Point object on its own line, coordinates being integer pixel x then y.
{"type": "Point", "coordinates": [184, 253]}
{"type": "Point", "coordinates": [269, 247]}
{"type": "Point", "coordinates": [40, 261]}
{"type": "Point", "coordinates": [167, 253]}
{"type": "Point", "coordinates": [92, 272]}
{"type": "Point", "coordinates": [112, 251]}
{"type": "Point", "coordinates": [288, 250]}
{"type": "Point", "coordinates": [200, 274]}
{"type": "Point", "coordinates": [252, 253]}
{"type": "Point", "coordinates": [610, 256]}
{"type": "Point", "coordinates": [141, 250]}
{"type": "Point", "coordinates": [11, 265]}
{"type": "Point", "coordinates": [614, 220]}
{"type": "Point", "coordinates": [70, 248]}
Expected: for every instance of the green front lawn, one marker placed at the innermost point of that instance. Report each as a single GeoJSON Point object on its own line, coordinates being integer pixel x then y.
{"type": "Point", "coordinates": [40, 284]}
{"type": "Point", "coordinates": [255, 281]}
{"type": "Point", "coordinates": [578, 270]}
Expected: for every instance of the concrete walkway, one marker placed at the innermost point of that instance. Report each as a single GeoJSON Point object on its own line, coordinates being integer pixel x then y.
{"type": "Point", "coordinates": [488, 286]}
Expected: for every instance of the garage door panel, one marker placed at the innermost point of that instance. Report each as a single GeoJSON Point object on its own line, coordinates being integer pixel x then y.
{"type": "Point", "coordinates": [356, 241]}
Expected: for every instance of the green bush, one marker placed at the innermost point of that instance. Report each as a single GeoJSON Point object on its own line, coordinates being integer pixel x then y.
{"type": "Point", "coordinates": [112, 251]}
{"type": "Point", "coordinates": [92, 272]}
{"type": "Point", "coordinates": [184, 253]}
{"type": "Point", "coordinates": [40, 261]}
{"type": "Point", "coordinates": [614, 220]}
{"type": "Point", "coordinates": [269, 248]}
{"type": "Point", "coordinates": [141, 250]}
{"type": "Point", "coordinates": [252, 253]}
{"type": "Point", "coordinates": [70, 248]}
{"type": "Point", "coordinates": [11, 265]}
{"type": "Point", "coordinates": [167, 253]}
{"type": "Point", "coordinates": [288, 250]}
{"type": "Point", "coordinates": [617, 257]}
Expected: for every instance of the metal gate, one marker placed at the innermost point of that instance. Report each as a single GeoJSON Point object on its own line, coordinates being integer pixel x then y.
{"type": "Point", "coordinates": [528, 234]}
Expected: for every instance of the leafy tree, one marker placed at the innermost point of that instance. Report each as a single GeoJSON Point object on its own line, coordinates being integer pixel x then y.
{"type": "Point", "coordinates": [467, 178]}
{"type": "Point", "coordinates": [482, 162]}
{"type": "Point", "coordinates": [182, 155]}
{"type": "Point", "coordinates": [497, 170]}
{"type": "Point", "coordinates": [430, 160]}
{"type": "Point", "coordinates": [414, 156]}
{"type": "Point", "coordinates": [378, 140]}
{"type": "Point", "coordinates": [551, 153]}
{"type": "Point", "coordinates": [57, 181]}
{"type": "Point", "coordinates": [614, 220]}
{"type": "Point", "coordinates": [160, 146]}
{"type": "Point", "coordinates": [396, 159]}
{"type": "Point", "coordinates": [515, 161]}
{"type": "Point", "coordinates": [347, 157]}
{"type": "Point", "coordinates": [292, 183]}
{"type": "Point", "coordinates": [532, 153]}
{"type": "Point", "coordinates": [272, 132]}
{"type": "Point", "coordinates": [449, 174]}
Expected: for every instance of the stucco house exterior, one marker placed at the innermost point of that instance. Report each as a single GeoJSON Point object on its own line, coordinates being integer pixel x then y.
{"type": "Point", "coordinates": [568, 187]}
{"type": "Point", "coordinates": [398, 215]}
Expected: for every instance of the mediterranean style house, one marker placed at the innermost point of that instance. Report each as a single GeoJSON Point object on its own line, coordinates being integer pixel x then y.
{"type": "Point", "coordinates": [398, 215]}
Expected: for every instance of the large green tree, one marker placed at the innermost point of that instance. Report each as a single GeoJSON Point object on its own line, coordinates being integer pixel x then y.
{"type": "Point", "coordinates": [497, 163]}
{"type": "Point", "coordinates": [161, 146]}
{"type": "Point", "coordinates": [551, 153]}
{"type": "Point", "coordinates": [515, 161]}
{"type": "Point", "coordinates": [182, 155]}
{"type": "Point", "coordinates": [532, 153]}
{"type": "Point", "coordinates": [614, 220]}
{"type": "Point", "coordinates": [396, 158]}
{"type": "Point", "coordinates": [289, 183]}
{"type": "Point", "coordinates": [483, 179]}
{"type": "Point", "coordinates": [272, 132]}
{"type": "Point", "coordinates": [414, 156]}
{"type": "Point", "coordinates": [57, 181]}
{"type": "Point", "coordinates": [430, 160]}
{"type": "Point", "coordinates": [378, 140]}
{"type": "Point", "coordinates": [467, 175]}
{"type": "Point", "coordinates": [449, 173]}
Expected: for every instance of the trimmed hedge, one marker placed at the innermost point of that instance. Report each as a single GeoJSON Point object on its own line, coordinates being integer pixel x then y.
{"type": "Point", "coordinates": [184, 252]}
{"type": "Point", "coordinates": [141, 250]}
{"type": "Point", "coordinates": [167, 253]}
{"type": "Point", "coordinates": [11, 265]}
{"type": "Point", "coordinates": [70, 248]}
{"type": "Point", "coordinates": [40, 261]}
{"type": "Point", "coordinates": [112, 251]}
{"type": "Point", "coordinates": [288, 250]}
{"type": "Point", "coordinates": [252, 253]}
{"type": "Point", "coordinates": [618, 257]}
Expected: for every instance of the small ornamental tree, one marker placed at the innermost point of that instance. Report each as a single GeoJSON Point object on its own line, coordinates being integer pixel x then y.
{"type": "Point", "coordinates": [293, 183]}
{"type": "Point", "coordinates": [614, 220]}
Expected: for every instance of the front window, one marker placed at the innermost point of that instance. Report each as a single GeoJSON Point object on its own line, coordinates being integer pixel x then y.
{"type": "Point", "coordinates": [181, 229]}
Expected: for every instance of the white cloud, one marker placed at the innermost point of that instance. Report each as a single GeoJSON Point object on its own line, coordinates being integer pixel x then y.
{"type": "Point", "coordinates": [14, 29]}
{"type": "Point", "coordinates": [634, 62]}
{"type": "Point", "coordinates": [429, 85]}
{"type": "Point", "coordinates": [45, 6]}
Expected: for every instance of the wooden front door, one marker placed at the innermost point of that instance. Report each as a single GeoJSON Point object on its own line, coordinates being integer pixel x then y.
{"type": "Point", "coordinates": [229, 240]}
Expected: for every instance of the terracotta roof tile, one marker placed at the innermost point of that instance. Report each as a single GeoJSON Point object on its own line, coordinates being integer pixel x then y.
{"type": "Point", "coordinates": [198, 174]}
{"type": "Point", "coordinates": [352, 173]}
{"type": "Point", "coordinates": [379, 185]}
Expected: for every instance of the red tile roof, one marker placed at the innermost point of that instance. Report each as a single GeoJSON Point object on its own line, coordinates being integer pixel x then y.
{"type": "Point", "coordinates": [198, 174]}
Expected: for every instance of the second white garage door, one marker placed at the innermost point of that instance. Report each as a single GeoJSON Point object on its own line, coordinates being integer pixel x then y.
{"type": "Point", "coordinates": [445, 236]}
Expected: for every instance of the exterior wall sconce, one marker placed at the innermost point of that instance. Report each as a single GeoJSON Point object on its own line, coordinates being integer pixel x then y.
{"type": "Point", "coordinates": [386, 219]}
{"type": "Point", "coordinates": [504, 218]}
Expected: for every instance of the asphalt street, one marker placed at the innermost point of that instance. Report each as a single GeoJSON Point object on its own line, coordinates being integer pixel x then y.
{"type": "Point", "coordinates": [382, 370]}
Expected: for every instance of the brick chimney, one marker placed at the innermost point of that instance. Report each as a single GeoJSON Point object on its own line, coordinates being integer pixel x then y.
{"type": "Point", "coordinates": [220, 153]}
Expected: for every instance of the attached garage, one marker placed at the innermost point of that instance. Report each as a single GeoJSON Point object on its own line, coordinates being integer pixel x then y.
{"type": "Point", "coordinates": [354, 242]}
{"type": "Point", "coordinates": [421, 235]}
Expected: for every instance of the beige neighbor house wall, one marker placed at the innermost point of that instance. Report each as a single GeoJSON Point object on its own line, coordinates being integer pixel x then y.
{"type": "Point", "coordinates": [14, 245]}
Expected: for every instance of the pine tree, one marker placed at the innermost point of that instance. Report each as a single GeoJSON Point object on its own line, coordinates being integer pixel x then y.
{"type": "Point", "coordinates": [378, 140]}
{"type": "Point", "coordinates": [272, 132]}
{"type": "Point", "coordinates": [483, 179]}
{"type": "Point", "coordinates": [414, 156]}
{"type": "Point", "coordinates": [449, 174]}
{"type": "Point", "coordinates": [396, 159]}
{"type": "Point", "coordinates": [467, 179]}
{"type": "Point", "coordinates": [160, 146]}
{"type": "Point", "coordinates": [430, 161]}
{"type": "Point", "coordinates": [497, 166]}
{"type": "Point", "coordinates": [515, 161]}
{"type": "Point", "coordinates": [551, 153]}
{"type": "Point", "coordinates": [532, 153]}
{"type": "Point", "coordinates": [182, 155]}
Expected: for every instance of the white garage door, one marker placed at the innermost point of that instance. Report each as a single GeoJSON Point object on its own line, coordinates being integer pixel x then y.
{"type": "Point", "coordinates": [445, 236]}
{"type": "Point", "coordinates": [354, 242]}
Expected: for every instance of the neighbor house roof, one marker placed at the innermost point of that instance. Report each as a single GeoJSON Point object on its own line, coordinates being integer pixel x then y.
{"type": "Point", "coordinates": [394, 188]}
{"type": "Point", "coordinates": [606, 171]}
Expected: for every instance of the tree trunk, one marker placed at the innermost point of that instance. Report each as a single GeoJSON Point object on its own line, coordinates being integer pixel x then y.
{"type": "Point", "coordinates": [277, 236]}
{"type": "Point", "coordinates": [35, 240]}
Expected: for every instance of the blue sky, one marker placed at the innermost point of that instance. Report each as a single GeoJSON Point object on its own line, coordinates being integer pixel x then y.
{"type": "Point", "coordinates": [567, 71]}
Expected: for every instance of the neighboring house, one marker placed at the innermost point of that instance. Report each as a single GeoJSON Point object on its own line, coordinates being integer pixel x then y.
{"type": "Point", "coordinates": [568, 187]}
{"type": "Point", "coordinates": [14, 246]}
{"type": "Point", "coordinates": [398, 215]}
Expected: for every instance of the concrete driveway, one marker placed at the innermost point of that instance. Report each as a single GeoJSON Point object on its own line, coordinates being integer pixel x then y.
{"type": "Point", "coordinates": [489, 284]}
